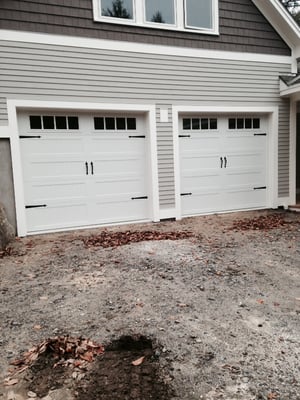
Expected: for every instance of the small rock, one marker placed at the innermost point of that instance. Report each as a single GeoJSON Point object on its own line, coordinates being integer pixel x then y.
{"type": "Point", "coordinates": [31, 394]}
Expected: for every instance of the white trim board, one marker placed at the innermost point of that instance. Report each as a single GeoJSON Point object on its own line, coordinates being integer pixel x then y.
{"type": "Point", "coordinates": [73, 41]}
{"type": "Point", "coordinates": [272, 162]}
{"type": "Point", "coordinates": [14, 105]}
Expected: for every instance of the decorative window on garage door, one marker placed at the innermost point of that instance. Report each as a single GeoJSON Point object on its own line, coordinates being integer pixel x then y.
{"type": "Point", "coordinates": [115, 123]}
{"type": "Point", "coordinates": [243, 123]}
{"type": "Point", "coordinates": [52, 122]}
{"type": "Point", "coordinates": [199, 124]}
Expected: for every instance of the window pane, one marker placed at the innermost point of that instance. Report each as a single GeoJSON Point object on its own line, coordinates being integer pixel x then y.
{"type": "Point", "coordinates": [240, 123]}
{"type": "Point", "coordinates": [248, 123]}
{"type": "Point", "coordinates": [231, 123]}
{"type": "Point", "coordinates": [160, 11]}
{"type": "Point", "coordinates": [186, 123]}
{"type": "Point", "coordinates": [256, 123]}
{"type": "Point", "coordinates": [73, 123]}
{"type": "Point", "coordinates": [198, 13]}
{"type": "Point", "coordinates": [131, 123]}
{"type": "Point", "coordinates": [109, 123]}
{"type": "Point", "coordinates": [204, 123]}
{"type": "Point", "coordinates": [195, 123]}
{"type": "Point", "coordinates": [35, 122]}
{"type": "Point", "coordinates": [61, 122]}
{"type": "Point", "coordinates": [99, 123]}
{"type": "Point", "coordinates": [117, 8]}
{"type": "Point", "coordinates": [121, 123]}
{"type": "Point", "coordinates": [48, 122]}
{"type": "Point", "coordinates": [214, 123]}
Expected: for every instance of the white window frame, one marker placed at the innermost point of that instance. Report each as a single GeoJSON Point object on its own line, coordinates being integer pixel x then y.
{"type": "Point", "coordinates": [139, 18]}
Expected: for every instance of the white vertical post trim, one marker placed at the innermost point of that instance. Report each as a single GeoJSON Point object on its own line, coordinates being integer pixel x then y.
{"type": "Point", "coordinates": [272, 158]}
{"type": "Point", "coordinates": [175, 118]}
{"type": "Point", "coordinates": [17, 168]}
{"type": "Point", "coordinates": [154, 164]}
{"type": "Point", "coordinates": [293, 150]}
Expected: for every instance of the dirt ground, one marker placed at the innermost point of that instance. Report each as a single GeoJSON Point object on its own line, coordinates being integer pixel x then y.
{"type": "Point", "coordinates": [211, 315]}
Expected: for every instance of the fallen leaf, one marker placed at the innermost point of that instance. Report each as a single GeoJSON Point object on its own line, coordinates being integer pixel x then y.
{"type": "Point", "coordinates": [37, 327]}
{"type": "Point", "coordinates": [272, 396]}
{"type": "Point", "coordinates": [260, 301]}
{"type": "Point", "coordinates": [139, 361]}
{"type": "Point", "coordinates": [10, 382]}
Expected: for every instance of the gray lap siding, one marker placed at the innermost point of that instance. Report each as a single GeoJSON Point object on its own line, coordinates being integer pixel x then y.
{"type": "Point", "coordinates": [59, 73]}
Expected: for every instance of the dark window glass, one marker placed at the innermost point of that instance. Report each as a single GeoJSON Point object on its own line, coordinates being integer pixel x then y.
{"type": "Point", "coordinates": [195, 123]}
{"type": "Point", "coordinates": [248, 123]}
{"type": "Point", "coordinates": [61, 122]}
{"type": "Point", "coordinates": [48, 122]}
{"type": "Point", "coordinates": [121, 123]}
{"type": "Point", "coordinates": [204, 123]}
{"type": "Point", "coordinates": [214, 123]}
{"type": "Point", "coordinates": [186, 123]}
{"type": "Point", "coordinates": [117, 8]}
{"type": "Point", "coordinates": [131, 123]}
{"type": "Point", "coordinates": [256, 123]}
{"type": "Point", "coordinates": [232, 123]}
{"type": "Point", "coordinates": [240, 123]}
{"type": "Point", "coordinates": [73, 123]}
{"type": "Point", "coordinates": [159, 11]}
{"type": "Point", "coordinates": [35, 122]}
{"type": "Point", "coordinates": [110, 123]}
{"type": "Point", "coordinates": [99, 123]}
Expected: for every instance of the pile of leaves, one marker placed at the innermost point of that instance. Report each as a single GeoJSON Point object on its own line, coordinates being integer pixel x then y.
{"type": "Point", "coordinates": [7, 251]}
{"type": "Point", "coordinates": [66, 350]}
{"type": "Point", "coordinates": [264, 222]}
{"type": "Point", "coordinates": [115, 239]}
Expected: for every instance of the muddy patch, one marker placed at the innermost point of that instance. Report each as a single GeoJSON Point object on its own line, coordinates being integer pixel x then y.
{"type": "Point", "coordinates": [128, 369]}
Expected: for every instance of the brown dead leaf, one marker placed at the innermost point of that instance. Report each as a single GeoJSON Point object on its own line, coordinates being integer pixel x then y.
{"type": "Point", "coordinates": [272, 396]}
{"type": "Point", "coordinates": [10, 382]}
{"type": "Point", "coordinates": [37, 327]}
{"type": "Point", "coordinates": [260, 301]}
{"type": "Point", "coordinates": [139, 361]}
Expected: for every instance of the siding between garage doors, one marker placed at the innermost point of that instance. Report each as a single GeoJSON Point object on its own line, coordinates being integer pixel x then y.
{"type": "Point", "coordinates": [59, 73]}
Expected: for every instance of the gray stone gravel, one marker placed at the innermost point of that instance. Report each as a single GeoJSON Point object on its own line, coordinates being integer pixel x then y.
{"type": "Point", "coordinates": [223, 306]}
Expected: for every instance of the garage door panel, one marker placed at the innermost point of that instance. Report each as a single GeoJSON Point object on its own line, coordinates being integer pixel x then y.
{"type": "Point", "coordinates": [49, 191]}
{"type": "Point", "coordinates": [118, 210]}
{"type": "Point", "coordinates": [58, 216]}
{"type": "Point", "coordinates": [85, 177]}
{"type": "Point", "coordinates": [207, 200]}
{"type": "Point", "coordinates": [241, 196]}
{"type": "Point", "coordinates": [54, 145]}
{"type": "Point", "coordinates": [118, 184]}
{"type": "Point", "coordinates": [220, 169]}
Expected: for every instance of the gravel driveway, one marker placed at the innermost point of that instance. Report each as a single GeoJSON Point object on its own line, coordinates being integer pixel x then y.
{"type": "Point", "coordinates": [220, 304]}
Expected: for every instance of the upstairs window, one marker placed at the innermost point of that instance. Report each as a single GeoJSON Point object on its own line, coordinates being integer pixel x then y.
{"type": "Point", "coordinates": [183, 15]}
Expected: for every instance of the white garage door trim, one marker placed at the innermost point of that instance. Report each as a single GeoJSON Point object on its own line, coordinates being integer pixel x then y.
{"type": "Point", "coordinates": [272, 145]}
{"type": "Point", "coordinates": [15, 105]}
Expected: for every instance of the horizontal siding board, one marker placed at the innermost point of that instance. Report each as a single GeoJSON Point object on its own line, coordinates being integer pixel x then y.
{"type": "Point", "coordinates": [54, 73]}
{"type": "Point", "coordinates": [242, 26]}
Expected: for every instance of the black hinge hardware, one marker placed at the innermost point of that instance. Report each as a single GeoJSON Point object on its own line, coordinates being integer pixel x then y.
{"type": "Point", "coordinates": [260, 188]}
{"type": "Point", "coordinates": [137, 137]}
{"type": "Point", "coordinates": [139, 198]}
{"type": "Point", "coordinates": [30, 137]}
{"type": "Point", "coordinates": [36, 206]}
{"type": "Point", "coordinates": [260, 134]}
{"type": "Point", "coordinates": [186, 194]}
{"type": "Point", "coordinates": [184, 135]}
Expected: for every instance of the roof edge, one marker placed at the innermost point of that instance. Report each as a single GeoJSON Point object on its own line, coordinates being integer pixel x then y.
{"type": "Point", "coordinates": [281, 21]}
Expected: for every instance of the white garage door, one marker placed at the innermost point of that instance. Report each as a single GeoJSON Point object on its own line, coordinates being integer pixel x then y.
{"type": "Point", "coordinates": [223, 163]}
{"type": "Point", "coordinates": [83, 170]}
